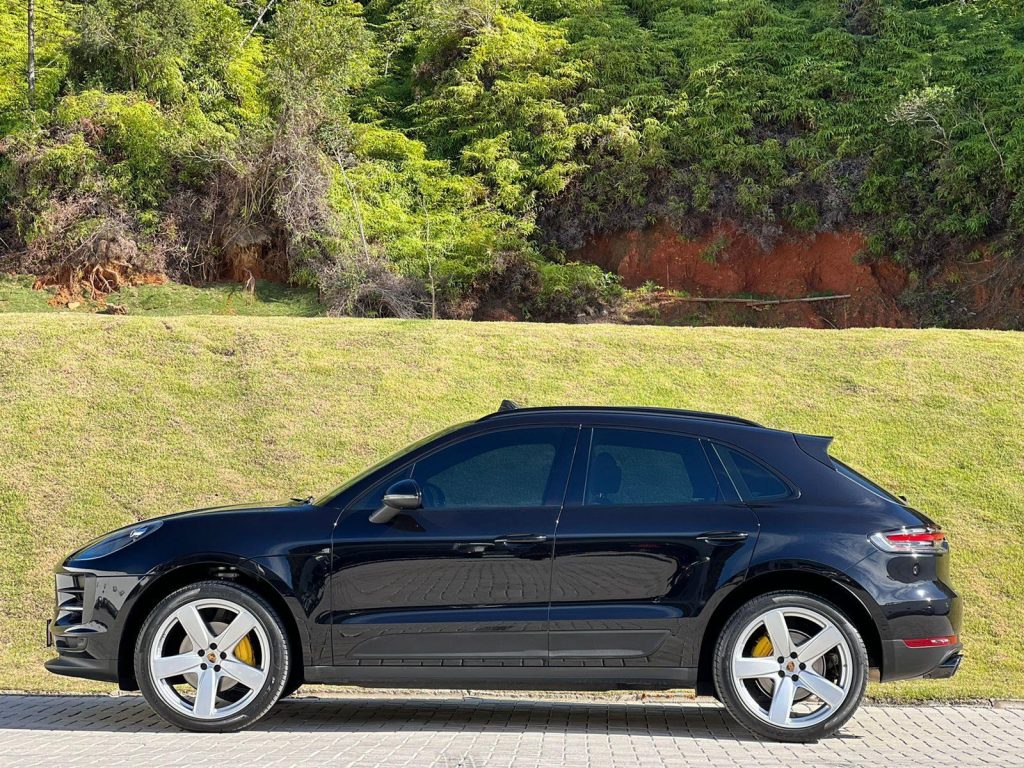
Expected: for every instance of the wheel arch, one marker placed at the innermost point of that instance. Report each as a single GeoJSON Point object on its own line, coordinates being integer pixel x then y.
{"type": "Point", "coordinates": [235, 572]}
{"type": "Point", "coordinates": [796, 580]}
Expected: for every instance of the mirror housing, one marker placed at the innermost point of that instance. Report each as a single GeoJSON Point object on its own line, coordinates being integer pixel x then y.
{"type": "Point", "coordinates": [403, 496]}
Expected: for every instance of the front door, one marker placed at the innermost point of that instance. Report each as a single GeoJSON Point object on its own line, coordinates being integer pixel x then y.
{"type": "Point", "coordinates": [646, 538]}
{"type": "Point", "coordinates": [465, 580]}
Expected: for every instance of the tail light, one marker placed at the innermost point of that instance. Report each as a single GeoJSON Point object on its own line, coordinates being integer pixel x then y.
{"type": "Point", "coordinates": [923, 540]}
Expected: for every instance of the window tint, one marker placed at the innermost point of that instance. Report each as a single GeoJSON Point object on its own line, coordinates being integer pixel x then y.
{"type": "Point", "coordinates": [512, 468]}
{"type": "Point", "coordinates": [637, 467]}
{"type": "Point", "coordinates": [754, 481]}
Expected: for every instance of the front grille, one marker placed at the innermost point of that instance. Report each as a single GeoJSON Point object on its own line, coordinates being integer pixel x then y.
{"type": "Point", "coordinates": [70, 599]}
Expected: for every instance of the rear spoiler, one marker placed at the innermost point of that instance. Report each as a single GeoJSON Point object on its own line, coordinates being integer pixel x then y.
{"type": "Point", "coordinates": [816, 446]}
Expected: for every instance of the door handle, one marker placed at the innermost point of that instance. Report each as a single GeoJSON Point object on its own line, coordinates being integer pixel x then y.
{"type": "Point", "coordinates": [723, 537]}
{"type": "Point", "coordinates": [520, 538]}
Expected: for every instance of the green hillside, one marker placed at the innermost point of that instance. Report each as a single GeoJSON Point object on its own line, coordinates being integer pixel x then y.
{"type": "Point", "coordinates": [109, 419]}
{"type": "Point", "coordinates": [439, 158]}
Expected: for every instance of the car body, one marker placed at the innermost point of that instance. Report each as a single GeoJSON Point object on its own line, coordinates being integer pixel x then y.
{"type": "Point", "coordinates": [545, 550]}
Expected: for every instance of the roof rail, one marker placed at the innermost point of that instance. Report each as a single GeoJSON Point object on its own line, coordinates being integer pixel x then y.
{"type": "Point", "coordinates": [508, 407]}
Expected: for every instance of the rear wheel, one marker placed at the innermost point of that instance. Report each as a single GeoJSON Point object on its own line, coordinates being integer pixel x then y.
{"type": "Point", "coordinates": [790, 666]}
{"type": "Point", "coordinates": [212, 657]}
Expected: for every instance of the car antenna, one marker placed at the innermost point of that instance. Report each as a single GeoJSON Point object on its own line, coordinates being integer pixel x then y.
{"type": "Point", "coordinates": [508, 405]}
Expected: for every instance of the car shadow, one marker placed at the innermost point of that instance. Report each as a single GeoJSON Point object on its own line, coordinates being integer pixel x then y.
{"type": "Point", "coordinates": [131, 714]}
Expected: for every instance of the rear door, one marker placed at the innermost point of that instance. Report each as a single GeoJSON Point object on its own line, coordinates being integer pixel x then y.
{"type": "Point", "coordinates": [651, 529]}
{"type": "Point", "coordinates": [466, 579]}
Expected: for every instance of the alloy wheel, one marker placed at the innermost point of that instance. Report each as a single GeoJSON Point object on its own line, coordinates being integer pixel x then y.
{"type": "Point", "coordinates": [791, 667]}
{"type": "Point", "coordinates": [210, 658]}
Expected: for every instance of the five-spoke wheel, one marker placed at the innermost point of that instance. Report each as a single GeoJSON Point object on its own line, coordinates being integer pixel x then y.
{"type": "Point", "coordinates": [212, 656]}
{"type": "Point", "coordinates": [790, 666]}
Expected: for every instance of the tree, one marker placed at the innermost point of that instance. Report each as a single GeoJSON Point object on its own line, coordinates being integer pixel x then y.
{"type": "Point", "coordinates": [31, 54]}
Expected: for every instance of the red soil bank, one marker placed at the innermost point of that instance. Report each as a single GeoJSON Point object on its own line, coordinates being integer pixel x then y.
{"type": "Point", "coordinates": [725, 262]}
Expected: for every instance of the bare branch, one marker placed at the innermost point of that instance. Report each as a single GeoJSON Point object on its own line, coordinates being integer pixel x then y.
{"type": "Point", "coordinates": [259, 20]}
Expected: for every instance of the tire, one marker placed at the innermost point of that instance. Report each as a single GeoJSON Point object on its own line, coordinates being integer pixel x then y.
{"type": "Point", "coordinates": [748, 681]}
{"type": "Point", "coordinates": [199, 685]}
{"type": "Point", "coordinates": [290, 688]}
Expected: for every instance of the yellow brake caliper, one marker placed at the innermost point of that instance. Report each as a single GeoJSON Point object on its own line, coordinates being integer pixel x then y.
{"type": "Point", "coordinates": [762, 647]}
{"type": "Point", "coordinates": [243, 651]}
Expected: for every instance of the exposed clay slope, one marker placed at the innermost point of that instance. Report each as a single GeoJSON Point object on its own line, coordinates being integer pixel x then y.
{"type": "Point", "coordinates": [725, 262]}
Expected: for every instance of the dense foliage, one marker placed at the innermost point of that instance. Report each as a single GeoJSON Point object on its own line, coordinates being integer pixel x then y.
{"type": "Point", "coordinates": [441, 157]}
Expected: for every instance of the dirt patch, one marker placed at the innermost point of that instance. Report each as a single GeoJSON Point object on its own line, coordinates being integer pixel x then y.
{"type": "Point", "coordinates": [725, 262]}
{"type": "Point", "coordinates": [251, 254]}
{"type": "Point", "coordinates": [93, 282]}
{"type": "Point", "coordinates": [987, 290]}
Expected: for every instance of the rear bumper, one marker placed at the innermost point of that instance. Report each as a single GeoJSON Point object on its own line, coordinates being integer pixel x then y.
{"type": "Point", "coordinates": [909, 597]}
{"type": "Point", "coordinates": [903, 663]}
{"type": "Point", "coordinates": [947, 668]}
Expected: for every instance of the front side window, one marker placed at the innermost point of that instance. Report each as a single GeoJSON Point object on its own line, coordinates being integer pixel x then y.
{"type": "Point", "coordinates": [634, 467]}
{"type": "Point", "coordinates": [394, 457]}
{"type": "Point", "coordinates": [510, 468]}
{"type": "Point", "coordinates": [754, 481]}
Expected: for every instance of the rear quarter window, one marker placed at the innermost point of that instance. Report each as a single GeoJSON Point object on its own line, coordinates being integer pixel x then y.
{"type": "Point", "coordinates": [852, 474]}
{"type": "Point", "coordinates": [754, 481]}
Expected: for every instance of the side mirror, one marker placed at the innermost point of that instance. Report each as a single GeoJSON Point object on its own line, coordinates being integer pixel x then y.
{"type": "Point", "coordinates": [402, 496]}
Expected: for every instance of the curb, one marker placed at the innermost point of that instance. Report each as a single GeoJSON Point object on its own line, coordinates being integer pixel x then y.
{"type": "Point", "coordinates": [656, 697]}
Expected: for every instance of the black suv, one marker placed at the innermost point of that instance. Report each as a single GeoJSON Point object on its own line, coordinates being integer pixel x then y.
{"type": "Point", "coordinates": [538, 548]}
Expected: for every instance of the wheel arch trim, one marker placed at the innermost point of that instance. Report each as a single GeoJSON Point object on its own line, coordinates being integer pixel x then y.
{"type": "Point", "coordinates": [156, 585]}
{"type": "Point", "coordinates": [811, 578]}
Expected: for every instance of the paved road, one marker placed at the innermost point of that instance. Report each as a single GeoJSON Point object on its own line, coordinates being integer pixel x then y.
{"type": "Point", "coordinates": [472, 733]}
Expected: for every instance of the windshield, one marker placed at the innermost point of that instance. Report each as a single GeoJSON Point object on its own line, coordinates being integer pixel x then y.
{"type": "Point", "coordinates": [863, 482]}
{"type": "Point", "coordinates": [328, 497]}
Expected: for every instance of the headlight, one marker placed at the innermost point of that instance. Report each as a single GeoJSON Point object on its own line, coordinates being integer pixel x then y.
{"type": "Point", "coordinates": [117, 540]}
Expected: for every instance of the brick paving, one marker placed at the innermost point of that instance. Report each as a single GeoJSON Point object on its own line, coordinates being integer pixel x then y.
{"type": "Point", "coordinates": [475, 732]}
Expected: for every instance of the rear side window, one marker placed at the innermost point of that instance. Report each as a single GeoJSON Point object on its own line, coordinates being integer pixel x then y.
{"type": "Point", "coordinates": [754, 481]}
{"type": "Point", "coordinates": [634, 467]}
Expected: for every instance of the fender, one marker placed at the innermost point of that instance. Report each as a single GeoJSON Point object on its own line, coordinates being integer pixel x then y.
{"type": "Point", "coordinates": [157, 583]}
{"type": "Point", "coordinates": [804, 575]}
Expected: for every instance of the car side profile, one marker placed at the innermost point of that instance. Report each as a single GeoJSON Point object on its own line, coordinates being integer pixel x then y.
{"type": "Point", "coordinates": [552, 548]}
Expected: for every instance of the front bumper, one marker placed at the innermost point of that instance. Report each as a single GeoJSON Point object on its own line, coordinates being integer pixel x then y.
{"type": "Point", "coordinates": [87, 621]}
{"type": "Point", "coordinates": [104, 670]}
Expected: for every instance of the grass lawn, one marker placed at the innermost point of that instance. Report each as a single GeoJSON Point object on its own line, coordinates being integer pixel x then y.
{"type": "Point", "coordinates": [269, 298]}
{"type": "Point", "coordinates": [112, 419]}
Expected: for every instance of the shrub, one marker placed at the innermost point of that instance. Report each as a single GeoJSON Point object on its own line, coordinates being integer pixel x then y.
{"type": "Point", "coordinates": [568, 291]}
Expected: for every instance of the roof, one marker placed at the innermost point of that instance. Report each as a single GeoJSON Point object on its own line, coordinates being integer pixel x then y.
{"type": "Point", "coordinates": [509, 408]}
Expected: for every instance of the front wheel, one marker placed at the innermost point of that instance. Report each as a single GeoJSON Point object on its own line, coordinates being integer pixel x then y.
{"type": "Point", "coordinates": [790, 666]}
{"type": "Point", "coordinates": [212, 657]}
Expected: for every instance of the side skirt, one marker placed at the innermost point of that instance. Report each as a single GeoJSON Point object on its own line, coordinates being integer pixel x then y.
{"type": "Point", "coordinates": [507, 678]}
